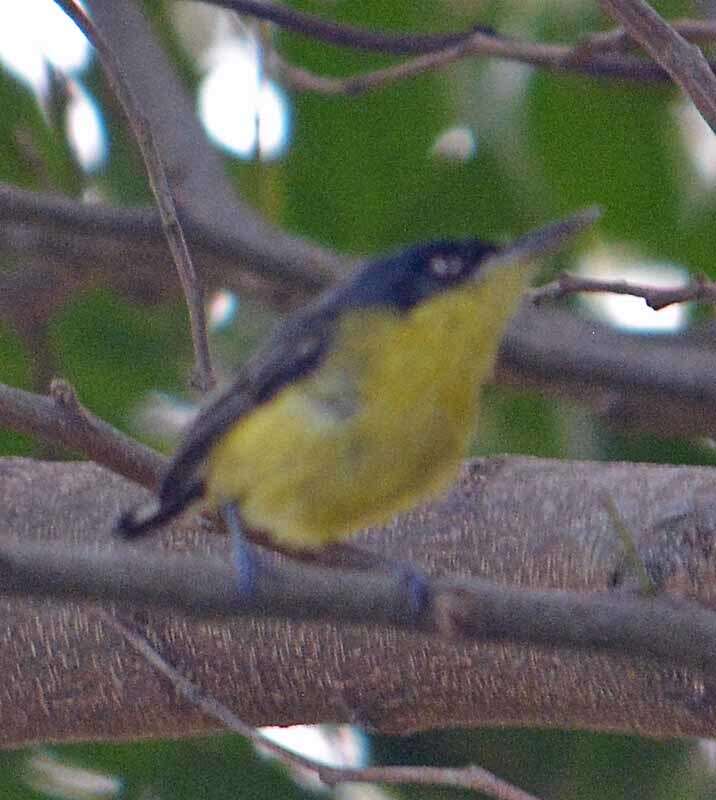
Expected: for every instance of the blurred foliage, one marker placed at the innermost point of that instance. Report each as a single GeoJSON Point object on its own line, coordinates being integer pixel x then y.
{"type": "Point", "coordinates": [220, 768]}
{"type": "Point", "coordinates": [14, 371]}
{"type": "Point", "coordinates": [555, 764]}
{"type": "Point", "coordinates": [100, 362]}
{"type": "Point", "coordinates": [359, 176]}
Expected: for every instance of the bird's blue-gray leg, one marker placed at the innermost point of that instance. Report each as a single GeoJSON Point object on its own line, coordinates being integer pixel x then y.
{"type": "Point", "coordinates": [416, 585]}
{"type": "Point", "coordinates": [245, 557]}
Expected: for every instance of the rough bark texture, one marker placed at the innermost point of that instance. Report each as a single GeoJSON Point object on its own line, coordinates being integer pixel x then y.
{"type": "Point", "coordinates": [68, 675]}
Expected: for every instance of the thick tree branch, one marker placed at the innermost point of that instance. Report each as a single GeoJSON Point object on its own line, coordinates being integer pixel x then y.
{"type": "Point", "coordinates": [461, 609]}
{"type": "Point", "coordinates": [128, 246]}
{"type": "Point", "coordinates": [494, 533]}
{"type": "Point", "coordinates": [471, 778]}
{"type": "Point", "coordinates": [662, 385]}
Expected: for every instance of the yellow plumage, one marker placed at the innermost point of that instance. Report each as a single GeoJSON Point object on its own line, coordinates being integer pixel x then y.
{"type": "Point", "coordinates": [360, 405]}
{"type": "Point", "coordinates": [383, 423]}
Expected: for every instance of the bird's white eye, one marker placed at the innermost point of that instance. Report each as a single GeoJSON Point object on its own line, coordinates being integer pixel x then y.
{"type": "Point", "coordinates": [446, 266]}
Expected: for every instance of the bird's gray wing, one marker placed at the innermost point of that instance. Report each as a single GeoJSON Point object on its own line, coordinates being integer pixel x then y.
{"type": "Point", "coordinates": [296, 348]}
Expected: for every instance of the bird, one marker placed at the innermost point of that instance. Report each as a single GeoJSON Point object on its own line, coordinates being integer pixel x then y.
{"type": "Point", "coordinates": [358, 406]}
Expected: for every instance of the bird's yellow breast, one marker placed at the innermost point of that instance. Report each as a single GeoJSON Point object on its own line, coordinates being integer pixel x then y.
{"type": "Point", "coordinates": [382, 423]}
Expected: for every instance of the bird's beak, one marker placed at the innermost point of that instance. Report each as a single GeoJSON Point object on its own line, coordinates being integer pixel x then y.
{"type": "Point", "coordinates": [541, 242]}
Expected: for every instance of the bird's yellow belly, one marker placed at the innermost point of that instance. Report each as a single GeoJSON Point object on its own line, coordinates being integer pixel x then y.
{"type": "Point", "coordinates": [368, 436]}
{"type": "Point", "coordinates": [313, 480]}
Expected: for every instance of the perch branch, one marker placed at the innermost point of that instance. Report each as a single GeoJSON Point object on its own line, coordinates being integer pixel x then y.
{"type": "Point", "coordinates": [477, 610]}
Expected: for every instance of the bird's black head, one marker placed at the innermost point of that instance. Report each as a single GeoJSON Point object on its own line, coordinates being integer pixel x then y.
{"type": "Point", "coordinates": [407, 278]}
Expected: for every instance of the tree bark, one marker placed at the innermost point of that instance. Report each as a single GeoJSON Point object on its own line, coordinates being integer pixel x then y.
{"type": "Point", "coordinates": [70, 675]}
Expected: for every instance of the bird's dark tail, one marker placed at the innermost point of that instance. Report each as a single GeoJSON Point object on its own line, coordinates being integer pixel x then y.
{"type": "Point", "coordinates": [143, 520]}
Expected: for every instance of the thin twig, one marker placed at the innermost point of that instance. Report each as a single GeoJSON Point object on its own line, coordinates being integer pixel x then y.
{"type": "Point", "coordinates": [699, 289]}
{"type": "Point", "coordinates": [458, 609]}
{"type": "Point", "coordinates": [61, 419]}
{"type": "Point", "coordinates": [618, 40]}
{"type": "Point", "coordinates": [472, 778]}
{"type": "Point", "coordinates": [389, 43]}
{"type": "Point", "coordinates": [161, 188]}
{"type": "Point", "coordinates": [340, 34]}
{"type": "Point", "coordinates": [684, 62]}
{"type": "Point", "coordinates": [305, 81]}
{"type": "Point", "coordinates": [552, 57]}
